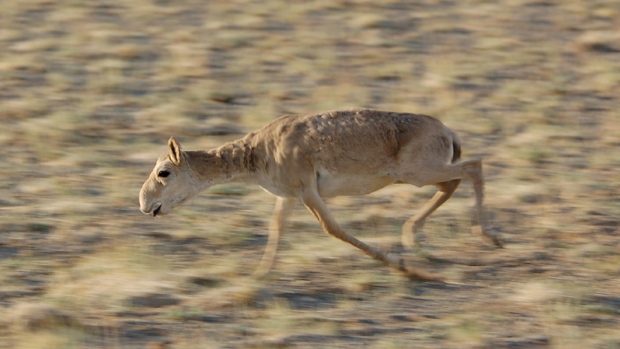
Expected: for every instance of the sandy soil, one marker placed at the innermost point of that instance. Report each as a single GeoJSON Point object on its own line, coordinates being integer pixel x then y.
{"type": "Point", "coordinates": [91, 91]}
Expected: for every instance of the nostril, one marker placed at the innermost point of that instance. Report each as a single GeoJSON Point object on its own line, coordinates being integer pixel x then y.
{"type": "Point", "coordinates": [156, 210]}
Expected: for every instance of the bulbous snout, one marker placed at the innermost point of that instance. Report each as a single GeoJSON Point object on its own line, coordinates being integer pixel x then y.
{"type": "Point", "coordinates": [148, 199]}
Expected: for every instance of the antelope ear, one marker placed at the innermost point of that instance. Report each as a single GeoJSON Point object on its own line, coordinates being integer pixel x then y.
{"type": "Point", "coordinates": [176, 154]}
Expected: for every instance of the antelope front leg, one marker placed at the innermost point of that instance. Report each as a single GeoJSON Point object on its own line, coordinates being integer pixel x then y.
{"type": "Point", "coordinates": [316, 205]}
{"type": "Point", "coordinates": [282, 210]}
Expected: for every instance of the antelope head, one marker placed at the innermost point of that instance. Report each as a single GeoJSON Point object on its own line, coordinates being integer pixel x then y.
{"type": "Point", "coordinates": [171, 183]}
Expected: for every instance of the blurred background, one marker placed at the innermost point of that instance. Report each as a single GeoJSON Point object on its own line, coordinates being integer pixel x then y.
{"type": "Point", "coordinates": [90, 91]}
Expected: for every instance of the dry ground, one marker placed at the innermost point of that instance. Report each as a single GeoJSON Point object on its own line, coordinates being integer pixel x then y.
{"type": "Point", "coordinates": [91, 90]}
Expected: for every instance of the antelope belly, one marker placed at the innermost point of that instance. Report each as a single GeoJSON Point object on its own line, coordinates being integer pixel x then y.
{"type": "Point", "coordinates": [331, 184]}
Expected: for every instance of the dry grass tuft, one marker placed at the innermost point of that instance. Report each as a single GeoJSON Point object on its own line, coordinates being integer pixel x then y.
{"type": "Point", "coordinates": [40, 316]}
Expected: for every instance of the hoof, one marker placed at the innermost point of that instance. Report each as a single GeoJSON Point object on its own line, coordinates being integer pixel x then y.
{"type": "Point", "coordinates": [488, 237]}
{"type": "Point", "coordinates": [496, 241]}
{"type": "Point", "coordinates": [418, 274]}
{"type": "Point", "coordinates": [493, 239]}
{"type": "Point", "coordinates": [421, 275]}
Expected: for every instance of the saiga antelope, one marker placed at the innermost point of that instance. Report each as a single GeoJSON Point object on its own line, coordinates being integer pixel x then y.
{"type": "Point", "coordinates": [311, 157]}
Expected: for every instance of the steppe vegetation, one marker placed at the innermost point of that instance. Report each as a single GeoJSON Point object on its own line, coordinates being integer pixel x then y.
{"type": "Point", "coordinates": [90, 91]}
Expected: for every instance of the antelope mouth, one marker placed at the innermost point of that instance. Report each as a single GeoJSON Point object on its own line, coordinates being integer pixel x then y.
{"type": "Point", "coordinates": [156, 211]}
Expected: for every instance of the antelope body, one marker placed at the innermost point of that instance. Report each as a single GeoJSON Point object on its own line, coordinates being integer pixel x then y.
{"type": "Point", "coordinates": [311, 157]}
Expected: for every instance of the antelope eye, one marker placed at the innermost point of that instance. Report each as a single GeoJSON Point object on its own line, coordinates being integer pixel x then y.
{"type": "Point", "coordinates": [163, 174]}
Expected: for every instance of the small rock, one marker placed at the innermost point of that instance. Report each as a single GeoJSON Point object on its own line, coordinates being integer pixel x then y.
{"type": "Point", "coordinates": [154, 300]}
{"type": "Point", "coordinates": [165, 344]}
{"type": "Point", "coordinates": [401, 317]}
{"type": "Point", "coordinates": [204, 281]}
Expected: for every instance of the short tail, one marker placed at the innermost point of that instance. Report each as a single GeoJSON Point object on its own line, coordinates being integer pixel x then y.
{"type": "Point", "coordinates": [456, 148]}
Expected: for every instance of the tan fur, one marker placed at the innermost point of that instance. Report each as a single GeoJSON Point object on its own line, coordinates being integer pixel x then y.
{"type": "Point", "coordinates": [310, 157]}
